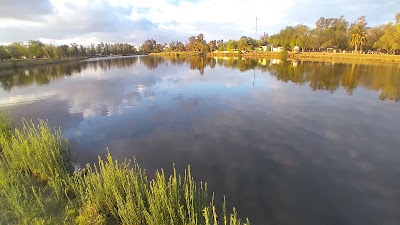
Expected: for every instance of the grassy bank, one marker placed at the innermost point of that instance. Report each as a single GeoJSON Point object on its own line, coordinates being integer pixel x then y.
{"type": "Point", "coordinates": [320, 56]}
{"type": "Point", "coordinates": [7, 64]}
{"type": "Point", "coordinates": [184, 54]}
{"type": "Point", "coordinates": [344, 56]}
{"type": "Point", "coordinates": [39, 185]}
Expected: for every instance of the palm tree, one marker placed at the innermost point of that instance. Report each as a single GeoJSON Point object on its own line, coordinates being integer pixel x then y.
{"type": "Point", "coordinates": [358, 34]}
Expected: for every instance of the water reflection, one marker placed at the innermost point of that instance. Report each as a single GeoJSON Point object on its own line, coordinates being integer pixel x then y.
{"type": "Point", "coordinates": [382, 78]}
{"type": "Point", "coordinates": [44, 74]}
{"type": "Point", "coordinates": [282, 153]}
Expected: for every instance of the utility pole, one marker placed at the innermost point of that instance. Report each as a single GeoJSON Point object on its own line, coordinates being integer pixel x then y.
{"type": "Point", "coordinates": [256, 30]}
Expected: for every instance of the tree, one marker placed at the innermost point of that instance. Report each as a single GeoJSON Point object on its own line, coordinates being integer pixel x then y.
{"type": "Point", "coordinates": [17, 50]}
{"type": "Point", "coordinates": [397, 18]}
{"type": "Point", "coordinates": [150, 45]}
{"type": "Point", "coordinates": [197, 44]}
{"type": "Point", "coordinates": [105, 52]}
{"type": "Point", "coordinates": [191, 44]}
{"type": "Point", "coordinates": [374, 34]}
{"type": "Point", "coordinates": [231, 45]}
{"type": "Point", "coordinates": [301, 37]}
{"type": "Point", "coordinates": [390, 39]}
{"type": "Point", "coordinates": [51, 51]}
{"type": "Point", "coordinates": [321, 33]}
{"type": "Point", "coordinates": [64, 49]}
{"type": "Point", "coordinates": [358, 34]}
{"type": "Point", "coordinates": [92, 50]}
{"type": "Point", "coordinates": [221, 45]}
{"type": "Point", "coordinates": [338, 32]}
{"type": "Point", "coordinates": [73, 50]}
{"type": "Point", "coordinates": [172, 46]}
{"type": "Point", "coordinates": [4, 54]}
{"type": "Point", "coordinates": [330, 32]}
{"type": "Point", "coordinates": [201, 43]}
{"type": "Point", "coordinates": [180, 47]}
{"type": "Point", "coordinates": [48, 51]}
{"type": "Point", "coordinates": [82, 50]}
{"type": "Point", "coordinates": [35, 49]}
{"type": "Point", "coordinates": [287, 37]}
{"type": "Point", "coordinates": [212, 45]}
{"type": "Point", "coordinates": [246, 44]}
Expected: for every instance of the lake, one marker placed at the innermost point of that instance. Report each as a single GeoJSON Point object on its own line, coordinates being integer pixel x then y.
{"type": "Point", "coordinates": [286, 142]}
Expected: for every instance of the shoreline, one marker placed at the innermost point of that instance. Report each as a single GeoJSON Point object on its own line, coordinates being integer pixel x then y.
{"type": "Point", "coordinates": [325, 57]}
{"type": "Point", "coordinates": [304, 56]}
{"type": "Point", "coordinates": [10, 64]}
{"type": "Point", "coordinates": [179, 54]}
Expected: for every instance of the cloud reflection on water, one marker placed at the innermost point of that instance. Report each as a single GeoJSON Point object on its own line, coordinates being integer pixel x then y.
{"type": "Point", "coordinates": [295, 148]}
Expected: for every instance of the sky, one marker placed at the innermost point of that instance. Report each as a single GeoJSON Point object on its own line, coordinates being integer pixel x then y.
{"type": "Point", "coordinates": [93, 21]}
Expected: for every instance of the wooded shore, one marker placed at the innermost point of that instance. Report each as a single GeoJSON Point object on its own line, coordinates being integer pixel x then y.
{"type": "Point", "coordinates": [9, 64]}
{"type": "Point", "coordinates": [306, 56]}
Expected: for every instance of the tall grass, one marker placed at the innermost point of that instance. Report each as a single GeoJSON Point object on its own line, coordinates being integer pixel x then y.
{"type": "Point", "coordinates": [38, 186]}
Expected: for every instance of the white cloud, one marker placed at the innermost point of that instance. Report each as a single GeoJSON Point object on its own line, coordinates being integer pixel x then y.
{"type": "Point", "coordinates": [86, 21]}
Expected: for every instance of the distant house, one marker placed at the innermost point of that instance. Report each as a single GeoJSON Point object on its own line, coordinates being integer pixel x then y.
{"type": "Point", "coordinates": [276, 49]}
{"type": "Point", "coordinates": [264, 47]}
{"type": "Point", "coordinates": [331, 49]}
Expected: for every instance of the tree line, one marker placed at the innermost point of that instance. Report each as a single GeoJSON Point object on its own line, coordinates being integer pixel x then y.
{"type": "Point", "coordinates": [35, 49]}
{"type": "Point", "coordinates": [328, 34]}
{"type": "Point", "coordinates": [335, 34]}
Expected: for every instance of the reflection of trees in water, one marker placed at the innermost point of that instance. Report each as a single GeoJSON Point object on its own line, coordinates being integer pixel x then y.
{"type": "Point", "coordinates": [384, 78]}
{"type": "Point", "coordinates": [152, 62]}
{"type": "Point", "coordinates": [44, 74]}
{"type": "Point", "coordinates": [331, 76]}
{"type": "Point", "coordinates": [319, 75]}
{"type": "Point", "coordinates": [176, 60]}
{"type": "Point", "coordinates": [350, 78]}
{"type": "Point", "coordinates": [197, 63]}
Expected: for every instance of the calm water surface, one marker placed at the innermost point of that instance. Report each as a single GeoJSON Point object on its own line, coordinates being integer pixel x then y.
{"type": "Point", "coordinates": [288, 143]}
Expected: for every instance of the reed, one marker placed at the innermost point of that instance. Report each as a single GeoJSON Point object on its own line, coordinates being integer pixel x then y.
{"type": "Point", "coordinates": [38, 185]}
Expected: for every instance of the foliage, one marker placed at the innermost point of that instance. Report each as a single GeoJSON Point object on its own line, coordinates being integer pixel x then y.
{"type": "Point", "coordinates": [35, 49]}
{"type": "Point", "coordinates": [374, 34]}
{"type": "Point", "coordinates": [231, 45]}
{"type": "Point", "coordinates": [17, 50]}
{"type": "Point", "coordinates": [151, 45]}
{"type": "Point", "coordinates": [212, 45]}
{"type": "Point", "coordinates": [37, 150]}
{"type": "Point", "coordinates": [4, 53]}
{"type": "Point", "coordinates": [175, 46]}
{"type": "Point", "coordinates": [358, 34]}
{"type": "Point", "coordinates": [197, 44]}
{"type": "Point", "coordinates": [246, 44]}
{"type": "Point", "coordinates": [390, 40]}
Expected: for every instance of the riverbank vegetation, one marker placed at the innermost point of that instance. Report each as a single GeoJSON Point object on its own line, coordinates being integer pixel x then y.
{"type": "Point", "coordinates": [35, 49]}
{"type": "Point", "coordinates": [35, 62]}
{"type": "Point", "coordinates": [39, 184]}
{"type": "Point", "coordinates": [329, 35]}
